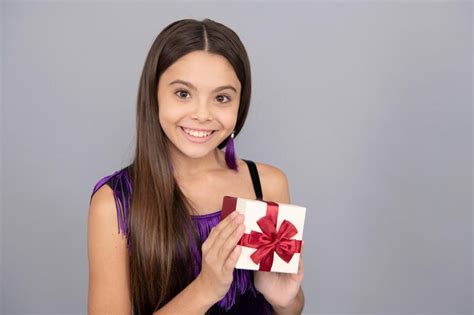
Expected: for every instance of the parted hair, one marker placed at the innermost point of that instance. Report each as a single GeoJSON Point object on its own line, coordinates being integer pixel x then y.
{"type": "Point", "coordinates": [161, 230]}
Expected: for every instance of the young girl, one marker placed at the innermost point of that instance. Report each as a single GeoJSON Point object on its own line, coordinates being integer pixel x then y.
{"type": "Point", "coordinates": [177, 256]}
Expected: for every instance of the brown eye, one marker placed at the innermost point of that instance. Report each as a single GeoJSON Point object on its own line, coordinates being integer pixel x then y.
{"type": "Point", "coordinates": [181, 93]}
{"type": "Point", "coordinates": [223, 96]}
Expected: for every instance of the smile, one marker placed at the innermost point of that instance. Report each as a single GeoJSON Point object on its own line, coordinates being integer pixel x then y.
{"type": "Point", "coordinates": [197, 136]}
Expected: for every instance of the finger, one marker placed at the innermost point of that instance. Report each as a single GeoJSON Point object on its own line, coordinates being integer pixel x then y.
{"type": "Point", "coordinates": [229, 244]}
{"type": "Point", "coordinates": [301, 265]}
{"type": "Point", "coordinates": [231, 261]}
{"type": "Point", "coordinates": [216, 229]}
{"type": "Point", "coordinates": [227, 231]}
{"type": "Point", "coordinates": [301, 261]}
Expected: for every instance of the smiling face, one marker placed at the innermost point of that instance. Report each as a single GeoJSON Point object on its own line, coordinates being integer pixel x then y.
{"type": "Point", "coordinates": [198, 99]}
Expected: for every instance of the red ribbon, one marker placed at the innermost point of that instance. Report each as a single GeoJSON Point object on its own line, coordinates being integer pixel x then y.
{"type": "Point", "coordinates": [271, 240]}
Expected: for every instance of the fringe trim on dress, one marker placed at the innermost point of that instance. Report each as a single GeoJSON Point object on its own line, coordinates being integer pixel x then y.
{"type": "Point", "coordinates": [122, 188]}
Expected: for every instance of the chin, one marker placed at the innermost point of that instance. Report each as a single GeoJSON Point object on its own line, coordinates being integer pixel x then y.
{"type": "Point", "coordinates": [195, 153]}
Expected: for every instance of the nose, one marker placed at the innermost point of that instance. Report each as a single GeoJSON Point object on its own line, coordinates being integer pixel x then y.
{"type": "Point", "coordinates": [202, 111]}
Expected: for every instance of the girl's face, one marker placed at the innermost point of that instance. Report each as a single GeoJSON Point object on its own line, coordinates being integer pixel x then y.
{"type": "Point", "coordinates": [198, 99]}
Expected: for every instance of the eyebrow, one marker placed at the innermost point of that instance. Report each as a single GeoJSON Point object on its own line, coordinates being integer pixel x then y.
{"type": "Point", "coordinates": [188, 84]}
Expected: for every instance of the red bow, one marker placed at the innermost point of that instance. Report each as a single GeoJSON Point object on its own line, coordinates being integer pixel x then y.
{"type": "Point", "coordinates": [271, 240]}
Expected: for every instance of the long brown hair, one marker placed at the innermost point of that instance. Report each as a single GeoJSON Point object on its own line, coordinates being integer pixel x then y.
{"type": "Point", "coordinates": [161, 258]}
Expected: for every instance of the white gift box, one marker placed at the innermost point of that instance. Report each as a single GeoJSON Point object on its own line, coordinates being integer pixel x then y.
{"type": "Point", "coordinates": [282, 234]}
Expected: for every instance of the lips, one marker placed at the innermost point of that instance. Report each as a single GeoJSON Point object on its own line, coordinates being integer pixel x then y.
{"type": "Point", "coordinates": [196, 139]}
{"type": "Point", "coordinates": [197, 129]}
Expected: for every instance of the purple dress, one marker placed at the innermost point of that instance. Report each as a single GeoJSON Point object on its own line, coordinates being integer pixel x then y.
{"type": "Point", "coordinates": [242, 297]}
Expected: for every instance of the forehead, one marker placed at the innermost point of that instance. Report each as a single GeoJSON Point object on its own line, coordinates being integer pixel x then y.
{"type": "Point", "coordinates": [203, 69]}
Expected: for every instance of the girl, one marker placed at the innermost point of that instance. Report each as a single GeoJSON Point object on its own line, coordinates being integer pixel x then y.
{"type": "Point", "coordinates": [177, 257]}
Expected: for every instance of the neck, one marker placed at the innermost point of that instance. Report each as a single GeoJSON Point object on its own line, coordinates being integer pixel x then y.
{"type": "Point", "coordinates": [185, 167]}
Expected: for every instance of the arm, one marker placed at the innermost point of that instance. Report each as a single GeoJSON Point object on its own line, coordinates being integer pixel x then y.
{"type": "Point", "coordinates": [108, 258]}
{"type": "Point", "coordinates": [296, 308]}
{"type": "Point", "coordinates": [192, 300]}
{"type": "Point", "coordinates": [277, 189]}
{"type": "Point", "coordinates": [109, 291]}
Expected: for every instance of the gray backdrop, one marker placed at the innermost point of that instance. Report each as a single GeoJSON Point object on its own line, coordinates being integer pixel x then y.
{"type": "Point", "coordinates": [367, 106]}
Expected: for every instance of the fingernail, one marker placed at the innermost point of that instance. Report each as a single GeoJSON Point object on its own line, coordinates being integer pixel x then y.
{"type": "Point", "coordinates": [233, 214]}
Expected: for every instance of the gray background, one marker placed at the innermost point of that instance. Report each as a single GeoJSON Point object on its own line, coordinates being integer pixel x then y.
{"type": "Point", "coordinates": [367, 107]}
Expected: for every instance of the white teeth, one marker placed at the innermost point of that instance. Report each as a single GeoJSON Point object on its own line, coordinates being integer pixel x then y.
{"type": "Point", "coordinates": [200, 134]}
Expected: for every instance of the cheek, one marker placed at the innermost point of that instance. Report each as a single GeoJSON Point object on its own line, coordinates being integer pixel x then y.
{"type": "Point", "coordinates": [170, 114]}
{"type": "Point", "coordinates": [227, 119]}
{"type": "Point", "coordinates": [168, 121]}
{"type": "Point", "coordinates": [162, 114]}
{"type": "Point", "coordinates": [168, 111]}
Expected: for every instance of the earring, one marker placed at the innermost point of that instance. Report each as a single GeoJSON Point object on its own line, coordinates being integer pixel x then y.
{"type": "Point", "coordinates": [230, 153]}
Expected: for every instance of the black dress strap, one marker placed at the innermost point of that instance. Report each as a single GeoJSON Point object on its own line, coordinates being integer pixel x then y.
{"type": "Point", "coordinates": [255, 178]}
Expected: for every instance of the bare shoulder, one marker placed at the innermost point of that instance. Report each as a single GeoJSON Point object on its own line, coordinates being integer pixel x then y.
{"type": "Point", "coordinates": [107, 256]}
{"type": "Point", "coordinates": [102, 210]}
{"type": "Point", "coordinates": [274, 183]}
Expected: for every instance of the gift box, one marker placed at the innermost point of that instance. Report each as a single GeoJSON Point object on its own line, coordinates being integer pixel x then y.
{"type": "Point", "coordinates": [273, 234]}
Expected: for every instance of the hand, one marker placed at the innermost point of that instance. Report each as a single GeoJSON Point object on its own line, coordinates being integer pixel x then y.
{"type": "Point", "coordinates": [280, 289]}
{"type": "Point", "coordinates": [219, 255]}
